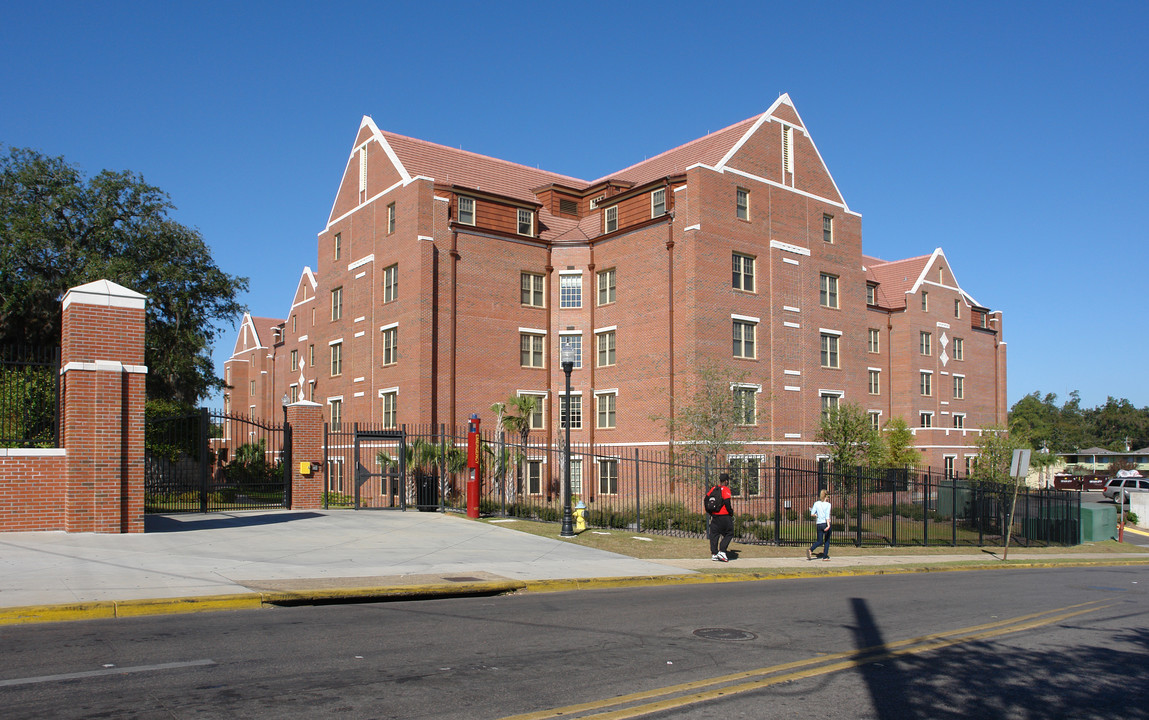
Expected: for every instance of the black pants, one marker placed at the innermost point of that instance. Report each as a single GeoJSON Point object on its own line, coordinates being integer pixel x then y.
{"type": "Point", "coordinates": [823, 539]}
{"type": "Point", "coordinates": [721, 525]}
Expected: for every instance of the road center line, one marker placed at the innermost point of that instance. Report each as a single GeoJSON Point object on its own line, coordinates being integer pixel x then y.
{"type": "Point", "coordinates": [108, 671]}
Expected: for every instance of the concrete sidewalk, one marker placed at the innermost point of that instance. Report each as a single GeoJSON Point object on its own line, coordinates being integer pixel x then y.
{"type": "Point", "coordinates": [247, 559]}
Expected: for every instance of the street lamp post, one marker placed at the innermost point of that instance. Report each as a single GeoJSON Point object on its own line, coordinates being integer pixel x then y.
{"type": "Point", "coordinates": [567, 360]}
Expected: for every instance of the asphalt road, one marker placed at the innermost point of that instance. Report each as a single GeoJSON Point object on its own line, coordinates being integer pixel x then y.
{"type": "Point", "coordinates": [1003, 643]}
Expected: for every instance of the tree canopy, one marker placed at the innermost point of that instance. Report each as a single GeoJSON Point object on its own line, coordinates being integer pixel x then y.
{"type": "Point", "coordinates": [58, 230]}
{"type": "Point", "coordinates": [850, 438]}
{"type": "Point", "coordinates": [1042, 423]}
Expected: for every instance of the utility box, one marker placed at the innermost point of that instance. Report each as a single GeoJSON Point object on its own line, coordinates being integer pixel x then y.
{"type": "Point", "coordinates": [1098, 522]}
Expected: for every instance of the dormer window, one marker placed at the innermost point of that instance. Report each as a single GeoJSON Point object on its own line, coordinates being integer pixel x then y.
{"type": "Point", "coordinates": [467, 210]}
{"type": "Point", "coordinates": [610, 219]}
{"type": "Point", "coordinates": [658, 203]}
{"type": "Point", "coordinates": [526, 222]}
{"type": "Point", "coordinates": [871, 294]}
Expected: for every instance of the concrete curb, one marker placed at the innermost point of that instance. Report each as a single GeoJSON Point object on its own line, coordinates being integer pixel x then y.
{"type": "Point", "coordinates": [248, 601]}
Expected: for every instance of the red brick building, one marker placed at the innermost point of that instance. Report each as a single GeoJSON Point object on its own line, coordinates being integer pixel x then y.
{"type": "Point", "coordinates": [447, 281]}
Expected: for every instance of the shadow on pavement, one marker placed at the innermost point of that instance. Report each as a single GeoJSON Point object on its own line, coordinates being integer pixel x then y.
{"type": "Point", "coordinates": [184, 523]}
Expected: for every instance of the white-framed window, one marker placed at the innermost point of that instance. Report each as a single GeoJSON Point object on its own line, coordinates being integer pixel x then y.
{"type": "Point", "coordinates": [948, 462]}
{"type": "Point", "coordinates": [294, 360]}
{"type": "Point", "coordinates": [742, 203]}
{"type": "Point", "coordinates": [610, 219]}
{"type": "Point", "coordinates": [391, 218]}
{"type": "Point", "coordinates": [875, 382]}
{"type": "Point", "coordinates": [828, 290]}
{"type": "Point", "coordinates": [875, 419]}
{"type": "Point", "coordinates": [746, 404]}
{"type": "Point", "coordinates": [926, 419]}
{"type": "Point", "coordinates": [335, 406]}
{"type": "Point", "coordinates": [744, 339]}
{"type": "Point", "coordinates": [538, 415]}
{"type": "Point", "coordinates": [336, 359]}
{"type": "Point", "coordinates": [606, 354]}
{"type": "Point", "coordinates": [294, 394]}
{"type": "Point", "coordinates": [959, 349]}
{"type": "Point", "coordinates": [925, 301]}
{"type": "Point", "coordinates": [534, 477]}
{"type": "Point", "coordinates": [827, 228]}
{"type": "Point", "coordinates": [970, 461]}
{"type": "Point", "coordinates": [391, 283]}
{"type": "Point", "coordinates": [607, 403]}
{"type": "Point", "coordinates": [337, 245]}
{"type": "Point", "coordinates": [311, 355]}
{"type": "Point", "coordinates": [745, 476]}
{"type": "Point", "coordinates": [875, 345]}
{"type": "Point", "coordinates": [251, 387]}
{"type": "Point", "coordinates": [830, 402]}
{"type": "Point", "coordinates": [925, 343]}
{"type": "Point", "coordinates": [337, 303]}
{"type": "Point", "coordinates": [575, 404]}
{"type": "Point", "coordinates": [871, 294]}
{"type": "Point", "coordinates": [570, 291]}
{"type": "Point", "coordinates": [830, 357]}
{"type": "Point", "coordinates": [606, 289]}
{"type": "Point", "coordinates": [658, 203]}
{"type": "Point", "coordinates": [957, 308]}
{"type": "Point", "coordinates": [391, 345]}
{"type": "Point", "coordinates": [531, 289]}
{"type": "Point", "coordinates": [742, 276]}
{"type": "Point", "coordinates": [959, 387]}
{"type": "Point", "coordinates": [788, 149]}
{"type": "Point", "coordinates": [959, 421]}
{"type": "Point", "coordinates": [531, 350]}
{"type": "Point", "coordinates": [607, 476]}
{"type": "Point", "coordinates": [927, 383]}
{"type": "Point", "coordinates": [467, 210]}
{"type": "Point", "coordinates": [390, 402]}
{"type": "Point", "coordinates": [576, 476]}
{"type": "Point", "coordinates": [526, 222]}
{"type": "Point", "coordinates": [335, 474]}
{"type": "Point", "coordinates": [571, 343]}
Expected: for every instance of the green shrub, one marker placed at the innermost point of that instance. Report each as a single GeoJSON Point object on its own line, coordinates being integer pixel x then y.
{"type": "Point", "coordinates": [911, 511]}
{"type": "Point", "coordinates": [1131, 518]}
{"type": "Point", "coordinates": [879, 511]}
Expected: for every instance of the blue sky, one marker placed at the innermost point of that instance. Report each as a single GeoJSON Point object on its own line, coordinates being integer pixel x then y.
{"type": "Point", "coordinates": [1012, 135]}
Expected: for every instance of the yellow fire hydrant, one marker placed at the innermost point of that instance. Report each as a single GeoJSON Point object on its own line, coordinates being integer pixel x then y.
{"type": "Point", "coordinates": [580, 516]}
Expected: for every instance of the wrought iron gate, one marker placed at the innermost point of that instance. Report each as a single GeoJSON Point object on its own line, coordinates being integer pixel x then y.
{"type": "Point", "coordinates": [208, 461]}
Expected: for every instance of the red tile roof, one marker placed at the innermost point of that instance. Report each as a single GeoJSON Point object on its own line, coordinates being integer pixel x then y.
{"type": "Point", "coordinates": [708, 150]}
{"type": "Point", "coordinates": [895, 277]}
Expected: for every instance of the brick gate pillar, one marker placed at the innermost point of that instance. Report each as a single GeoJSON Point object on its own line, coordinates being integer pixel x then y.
{"type": "Point", "coordinates": [102, 377]}
{"type": "Point", "coordinates": [306, 420]}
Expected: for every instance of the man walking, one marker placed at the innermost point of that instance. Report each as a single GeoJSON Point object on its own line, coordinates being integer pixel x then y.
{"type": "Point", "coordinates": [721, 513]}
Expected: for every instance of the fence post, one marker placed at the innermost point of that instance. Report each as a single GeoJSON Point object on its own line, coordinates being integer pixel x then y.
{"type": "Point", "coordinates": [894, 477]}
{"type": "Point", "coordinates": [287, 462]}
{"type": "Point", "coordinates": [858, 509]}
{"type": "Point", "coordinates": [777, 499]}
{"type": "Point", "coordinates": [204, 475]}
{"type": "Point", "coordinates": [637, 502]}
{"type": "Point", "coordinates": [954, 507]}
{"type": "Point", "coordinates": [443, 465]}
{"type": "Point", "coordinates": [503, 470]}
{"type": "Point", "coordinates": [926, 509]}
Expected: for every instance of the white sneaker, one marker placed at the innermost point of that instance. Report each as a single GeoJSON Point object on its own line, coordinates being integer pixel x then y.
{"type": "Point", "coordinates": [721, 557]}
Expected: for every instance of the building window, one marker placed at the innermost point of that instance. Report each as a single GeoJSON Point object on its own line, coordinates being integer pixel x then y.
{"type": "Point", "coordinates": [742, 196]}
{"type": "Point", "coordinates": [829, 351]}
{"type": "Point", "coordinates": [337, 244]}
{"type": "Point", "coordinates": [743, 272]}
{"type": "Point", "coordinates": [658, 203]}
{"type": "Point", "coordinates": [787, 149]}
{"type": "Point", "coordinates": [828, 291]}
{"type": "Point", "coordinates": [311, 356]}
{"type": "Point", "coordinates": [391, 283]}
{"type": "Point", "coordinates": [744, 477]}
{"type": "Point", "coordinates": [828, 228]}
{"type": "Point", "coordinates": [294, 360]}
{"type": "Point", "coordinates": [573, 344]}
{"type": "Point", "coordinates": [959, 421]}
{"type": "Point", "coordinates": [925, 343]}
{"type": "Point", "coordinates": [745, 404]}
{"type": "Point", "coordinates": [926, 419]}
{"type": "Point", "coordinates": [606, 287]}
{"type": "Point", "coordinates": [606, 409]}
{"type": "Point", "coordinates": [576, 476]}
{"type": "Point", "coordinates": [743, 339]}
{"type": "Point", "coordinates": [391, 218]}
{"type": "Point", "coordinates": [336, 413]}
{"type": "Point", "coordinates": [875, 340]}
{"type": "Point", "coordinates": [294, 396]}
{"type": "Point", "coordinates": [875, 382]}
{"type": "Point", "coordinates": [610, 219]}
{"type": "Point", "coordinates": [531, 289]}
{"type": "Point", "coordinates": [875, 420]}
{"type": "Point", "coordinates": [575, 403]}
{"type": "Point", "coordinates": [337, 303]}
{"type": "Point", "coordinates": [871, 294]}
{"type": "Point", "coordinates": [293, 324]}
{"type": "Point", "coordinates": [570, 291]}
{"type": "Point", "coordinates": [829, 405]}
{"type": "Point", "coordinates": [959, 387]}
{"type": "Point", "coordinates": [531, 350]}
{"type": "Point", "coordinates": [959, 349]}
{"type": "Point", "coordinates": [606, 356]}
{"type": "Point", "coordinates": [948, 466]}
{"type": "Point", "coordinates": [538, 418]}
{"type": "Point", "coordinates": [251, 387]}
{"type": "Point", "coordinates": [526, 222]}
{"type": "Point", "coordinates": [957, 308]}
{"type": "Point", "coordinates": [391, 346]}
{"type": "Point", "coordinates": [608, 477]}
{"type": "Point", "coordinates": [535, 477]}
{"type": "Point", "coordinates": [336, 359]}
{"type": "Point", "coordinates": [927, 383]}
{"type": "Point", "coordinates": [390, 409]}
{"type": "Point", "coordinates": [925, 301]}
{"type": "Point", "coordinates": [467, 210]}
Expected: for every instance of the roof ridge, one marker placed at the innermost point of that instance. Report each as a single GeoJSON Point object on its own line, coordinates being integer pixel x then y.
{"type": "Point", "coordinates": [677, 148]}
{"type": "Point", "coordinates": [390, 134]}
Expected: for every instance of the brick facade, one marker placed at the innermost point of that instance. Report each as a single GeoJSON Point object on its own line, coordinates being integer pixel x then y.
{"type": "Point", "coordinates": [427, 250]}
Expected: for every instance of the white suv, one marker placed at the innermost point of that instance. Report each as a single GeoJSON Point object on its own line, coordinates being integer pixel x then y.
{"type": "Point", "coordinates": [1124, 486]}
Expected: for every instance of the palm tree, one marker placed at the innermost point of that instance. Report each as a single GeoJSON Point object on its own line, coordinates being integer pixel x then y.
{"type": "Point", "coordinates": [523, 407]}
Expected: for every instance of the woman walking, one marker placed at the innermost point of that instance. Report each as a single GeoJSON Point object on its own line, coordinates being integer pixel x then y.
{"type": "Point", "coordinates": [821, 513]}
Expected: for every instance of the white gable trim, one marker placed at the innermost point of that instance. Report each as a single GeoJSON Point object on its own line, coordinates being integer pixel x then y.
{"type": "Point", "coordinates": [938, 253]}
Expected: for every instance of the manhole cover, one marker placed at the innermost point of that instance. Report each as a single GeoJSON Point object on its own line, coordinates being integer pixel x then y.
{"type": "Point", "coordinates": [725, 634]}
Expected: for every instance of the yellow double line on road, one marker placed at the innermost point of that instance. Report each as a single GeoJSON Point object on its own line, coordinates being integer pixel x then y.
{"type": "Point", "coordinates": [699, 691]}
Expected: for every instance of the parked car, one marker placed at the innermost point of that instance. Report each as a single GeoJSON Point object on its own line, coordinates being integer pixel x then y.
{"type": "Point", "coordinates": [1125, 486]}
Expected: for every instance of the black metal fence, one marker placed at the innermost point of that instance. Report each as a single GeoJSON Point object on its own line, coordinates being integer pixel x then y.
{"type": "Point", "coordinates": [210, 461]}
{"type": "Point", "coordinates": [661, 492]}
{"type": "Point", "coordinates": [29, 396]}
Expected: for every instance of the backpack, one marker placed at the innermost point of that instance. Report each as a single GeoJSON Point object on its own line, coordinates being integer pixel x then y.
{"type": "Point", "coordinates": [713, 500]}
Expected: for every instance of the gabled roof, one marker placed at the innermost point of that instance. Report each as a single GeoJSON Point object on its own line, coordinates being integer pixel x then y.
{"type": "Point", "coordinates": [899, 278]}
{"type": "Point", "coordinates": [254, 333]}
{"type": "Point", "coordinates": [707, 150]}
